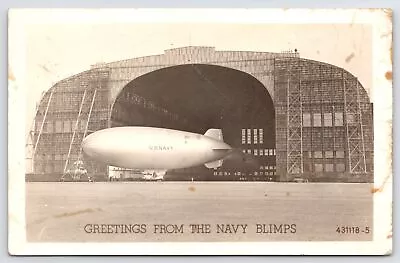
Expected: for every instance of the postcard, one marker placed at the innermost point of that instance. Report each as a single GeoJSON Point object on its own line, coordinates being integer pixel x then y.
{"type": "Point", "coordinates": [200, 131]}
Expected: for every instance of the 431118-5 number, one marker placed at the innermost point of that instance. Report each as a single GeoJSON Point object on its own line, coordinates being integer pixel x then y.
{"type": "Point", "coordinates": [352, 230]}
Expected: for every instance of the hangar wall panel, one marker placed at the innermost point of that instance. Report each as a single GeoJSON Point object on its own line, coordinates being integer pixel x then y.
{"type": "Point", "coordinates": [324, 129]}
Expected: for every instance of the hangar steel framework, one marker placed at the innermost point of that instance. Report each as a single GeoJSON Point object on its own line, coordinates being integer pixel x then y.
{"type": "Point", "coordinates": [323, 116]}
{"type": "Point", "coordinates": [329, 121]}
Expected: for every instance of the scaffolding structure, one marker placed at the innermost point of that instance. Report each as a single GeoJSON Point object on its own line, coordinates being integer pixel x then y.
{"type": "Point", "coordinates": [66, 115]}
{"type": "Point", "coordinates": [354, 127]}
{"type": "Point", "coordinates": [294, 121]}
{"type": "Point", "coordinates": [43, 122]}
{"type": "Point", "coordinates": [86, 98]}
{"type": "Point", "coordinates": [324, 128]}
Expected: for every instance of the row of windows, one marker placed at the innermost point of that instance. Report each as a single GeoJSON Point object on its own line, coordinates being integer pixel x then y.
{"type": "Point", "coordinates": [315, 119]}
{"type": "Point", "coordinates": [48, 168]}
{"type": "Point", "coordinates": [264, 173]}
{"type": "Point", "coordinates": [260, 152]}
{"type": "Point", "coordinates": [241, 173]}
{"type": "Point", "coordinates": [58, 167]}
{"type": "Point", "coordinates": [67, 126]}
{"type": "Point", "coordinates": [268, 167]}
{"type": "Point", "coordinates": [256, 134]}
{"type": "Point", "coordinates": [325, 154]}
{"type": "Point", "coordinates": [327, 167]}
{"type": "Point", "coordinates": [251, 178]}
{"type": "Point", "coordinates": [56, 157]}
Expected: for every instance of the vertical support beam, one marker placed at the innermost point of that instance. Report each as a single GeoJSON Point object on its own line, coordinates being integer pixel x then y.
{"type": "Point", "coordinates": [74, 132]}
{"type": "Point", "coordinates": [87, 122]}
{"type": "Point", "coordinates": [354, 129]}
{"type": "Point", "coordinates": [361, 128]}
{"type": "Point", "coordinates": [43, 121]}
{"type": "Point", "coordinates": [294, 119]}
{"type": "Point", "coordinates": [346, 122]}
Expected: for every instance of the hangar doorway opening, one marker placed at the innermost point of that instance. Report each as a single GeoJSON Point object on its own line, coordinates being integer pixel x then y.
{"type": "Point", "coordinates": [197, 97]}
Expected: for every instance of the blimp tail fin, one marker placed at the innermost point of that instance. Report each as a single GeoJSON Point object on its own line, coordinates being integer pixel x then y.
{"type": "Point", "coordinates": [214, 164]}
{"type": "Point", "coordinates": [215, 134]}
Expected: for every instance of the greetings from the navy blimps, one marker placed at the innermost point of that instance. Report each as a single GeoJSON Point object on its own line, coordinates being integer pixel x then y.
{"type": "Point", "coordinates": [182, 131]}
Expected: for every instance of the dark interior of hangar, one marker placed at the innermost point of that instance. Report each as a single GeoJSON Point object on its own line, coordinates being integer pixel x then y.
{"type": "Point", "coordinates": [196, 97]}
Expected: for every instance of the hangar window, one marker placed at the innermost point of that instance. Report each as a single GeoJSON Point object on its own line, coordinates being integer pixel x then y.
{"type": "Point", "coordinates": [255, 152]}
{"type": "Point", "coordinates": [350, 118]}
{"type": "Point", "coordinates": [48, 168]}
{"type": "Point", "coordinates": [243, 136]}
{"type": "Point", "coordinates": [328, 132]}
{"type": "Point", "coordinates": [339, 132]}
{"type": "Point", "coordinates": [329, 167]}
{"type": "Point", "coordinates": [38, 125]}
{"type": "Point", "coordinates": [67, 126]}
{"type": "Point", "coordinates": [83, 125]}
{"type": "Point", "coordinates": [317, 119]}
{"type": "Point", "coordinates": [339, 154]}
{"type": "Point", "coordinates": [49, 126]}
{"type": "Point", "coordinates": [59, 99]}
{"type": "Point", "coordinates": [39, 168]}
{"type": "Point", "coordinates": [248, 136]}
{"type": "Point", "coordinates": [327, 119]}
{"type": "Point", "coordinates": [317, 154]}
{"type": "Point", "coordinates": [44, 130]}
{"type": "Point", "coordinates": [306, 119]}
{"type": "Point", "coordinates": [340, 167]}
{"type": "Point", "coordinates": [248, 151]}
{"type": "Point", "coordinates": [318, 167]}
{"type": "Point", "coordinates": [338, 118]}
{"type": "Point", "coordinates": [316, 137]}
{"type": "Point", "coordinates": [58, 167]}
{"type": "Point", "coordinates": [307, 167]}
{"type": "Point", "coordinates": [255, 136]}
{"type": "Point", "coordinates": [266, 153]}
{"type": "Point", "coordinates": [329, 154]}
{"type": "Point", "coordinates": [261, 152]}
{"type": "Point", "coordinates": [307, 154]}
{"type": "Point", "coordinates": [339, 140]}
{"type": "Point", "coordinates": [261, 135]}
{"type": "Point", "coordinates": [66, 98]}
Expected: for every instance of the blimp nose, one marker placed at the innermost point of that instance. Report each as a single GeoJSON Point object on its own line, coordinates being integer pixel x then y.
{"type": "Point", "coordinates": [90, 145]}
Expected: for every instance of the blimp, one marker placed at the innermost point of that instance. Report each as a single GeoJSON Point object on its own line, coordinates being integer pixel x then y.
{"type": "Point", "coordinates": [156, 149]}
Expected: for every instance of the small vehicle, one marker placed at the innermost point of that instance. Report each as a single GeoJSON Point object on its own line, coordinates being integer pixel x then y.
{"type": "Point", "coordinates": [300, 180]}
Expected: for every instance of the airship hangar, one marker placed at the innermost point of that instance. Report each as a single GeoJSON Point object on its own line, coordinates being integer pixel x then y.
{"type": "Point", "coordinates": [297, 118]}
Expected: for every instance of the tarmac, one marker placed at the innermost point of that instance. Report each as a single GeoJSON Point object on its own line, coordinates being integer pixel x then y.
{"type": "Point", "coordinates": [198, 211]}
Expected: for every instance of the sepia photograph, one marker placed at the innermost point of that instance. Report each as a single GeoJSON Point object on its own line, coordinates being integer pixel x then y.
{"type": "Point", "coordinates": [160, 131]}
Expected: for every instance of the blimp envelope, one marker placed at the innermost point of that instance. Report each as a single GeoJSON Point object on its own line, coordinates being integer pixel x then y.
{"type": "Point", "coordinates": [186, 131]}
